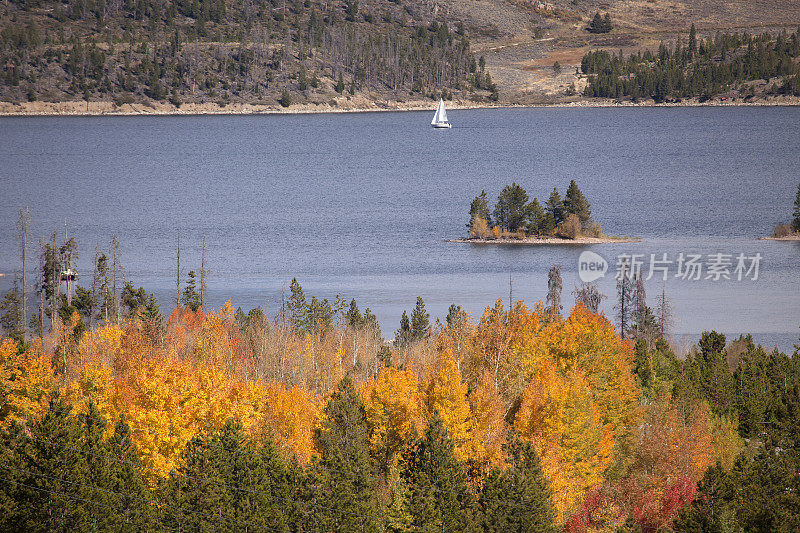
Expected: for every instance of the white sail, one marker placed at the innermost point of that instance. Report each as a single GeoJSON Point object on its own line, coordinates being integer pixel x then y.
{"type": "Point", "coordinates": [440, 117]}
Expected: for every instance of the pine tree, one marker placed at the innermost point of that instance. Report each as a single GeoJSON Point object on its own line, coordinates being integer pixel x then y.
{"type": "Point", "coordinates": [402, 336]}
{"type": "Point", "coordinates": [555, 207]}
{"type": "Point", "coordinates": [538, 221]}
{"type": "Point", "coordinates": [575, 203]}
{"type": "Point", "coordinates": [511, 209]}
{"type": "Point", "coordinates": [345, 472]}
{"type": "Point", "coordinates": [692, 41]}
{"type": "Point", "coordinates": [440, 498]}
{"type": "Point", "coordinates": [191, 298]}
{"type": "Point", "coordinates": [420, 321]}
{"type": "Point", "coordinates": [796, 212]}
{"type": "Point", "coordinates": [296, 306]}
{"type": "Point", "coordinates": [479, 208]}
{"type": "Point", "coordinates": [517, 499]}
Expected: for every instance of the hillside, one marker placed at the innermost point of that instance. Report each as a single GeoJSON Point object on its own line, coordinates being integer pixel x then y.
{"type": "Point", "coordinates": [219, 55]}
{"type": "Point", "coordinates": [279, 52]}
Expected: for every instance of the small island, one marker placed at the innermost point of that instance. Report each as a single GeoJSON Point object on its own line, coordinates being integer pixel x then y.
{"type": "Point", "coordinates": [791, 231]}
{"type": "Point", "coordinates": [516, 220]}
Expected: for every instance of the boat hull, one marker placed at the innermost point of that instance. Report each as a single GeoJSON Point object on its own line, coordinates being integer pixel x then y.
{"type": "Point", "coordinates": [442, 125]}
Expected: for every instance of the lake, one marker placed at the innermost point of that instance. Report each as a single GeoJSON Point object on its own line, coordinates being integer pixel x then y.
{"type": "Point", "coordinates": [361, 204]}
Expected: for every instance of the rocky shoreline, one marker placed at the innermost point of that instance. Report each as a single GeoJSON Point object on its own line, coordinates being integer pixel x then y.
{"type": "Point", "coordinates": [533, 241]}
{"type": "Point", "coordinates": [356, 104]}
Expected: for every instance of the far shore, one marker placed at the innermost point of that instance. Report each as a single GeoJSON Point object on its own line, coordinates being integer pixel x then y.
{"type": "Point", "coordinates": [533, 241]}
{"type": "Point", "coordinates": [795, 237]}
{"type": "Point", "coordinates": [344, 104]}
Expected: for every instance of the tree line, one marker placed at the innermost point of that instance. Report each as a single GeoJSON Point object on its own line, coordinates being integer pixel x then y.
{"type": "Point", "coordinates": [213, 51]}
{"type": "Point", "coordinates": [527, 415]}
{"type": "Point", "coordinates": [700, 68]}
{"type": "Point", "coordinates": [514, 216]}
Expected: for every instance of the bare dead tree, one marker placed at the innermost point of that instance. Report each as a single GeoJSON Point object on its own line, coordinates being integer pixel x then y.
{"type": "Point", "coordinates": [590, 296]}
{"type": "Point", "coordinates": [178, 274]}
{"type": "Point", "coordinates": [23, 226]}
{"type": "Point", "coordinates": [554, 286]}
{"type": "Point", "coordinates": [624, 299]}
{"type": "Point", "coordinates": [117, 273]}
{"type": "Point", "coordinates": [664, 314]}
{"type": "Point", "coordinates": [203, 273]}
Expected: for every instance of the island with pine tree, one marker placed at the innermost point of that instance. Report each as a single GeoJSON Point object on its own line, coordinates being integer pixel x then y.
{"type": "Point", "coordinates": [517, 220]}
{"type": "Point", "coordinates": [790, 231]}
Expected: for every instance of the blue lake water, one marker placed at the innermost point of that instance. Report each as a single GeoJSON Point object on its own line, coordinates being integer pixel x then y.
{"type": "Point", "coordinates": [361, 204]}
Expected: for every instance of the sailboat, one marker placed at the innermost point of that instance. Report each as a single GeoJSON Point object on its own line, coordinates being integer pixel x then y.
{"type": "Point", "coordinates": [440, 117]}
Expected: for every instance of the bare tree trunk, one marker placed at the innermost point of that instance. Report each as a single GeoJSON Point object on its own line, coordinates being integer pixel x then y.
{"type": "Point", "coordinates": [203, 273]}
{"type": "Point", "coordinates": [22, 225]}
{"type": "Point", "coordinates": [41, 289]}
{"type": "Point", "coordinates": [117, 271]}
{"type": "Point", "coordinates": [94, 287]}
{"type": "Point", "coordinates": [178, 274]}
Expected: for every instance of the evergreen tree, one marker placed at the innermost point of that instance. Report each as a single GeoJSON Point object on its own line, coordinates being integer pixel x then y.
{"type": "Point", "coordinates": [53, 493]}
{"type": "Point", "coordinates": [191, 298]}
{"type": "Point", "coordinates": [642, 366]}
{"type": "Point", "coordinates": [353, 316]}
{"type": "Point", "coordinates": [420, 321]}
{"type": "Point", "coordinates": [296, 306]}
{"type": "Point", "coordinates": [692, 40]}
{"type": "Point", "coordinates": [227, 481]}
{"type": "Point", "coordinates": [575, 203]}
{"type": "Point", "coordinates": [11, 319]}
{"type": "Point", "coordinates": [511, 209]}
{"type": "Point", "coordinates": [555, 207]}
{"type": "Point", "coordinates": [796, 212]}
{"type": "Point", "coordinates": [345, 472]}
{"type": "Point", "coordinates": [539, 222]}
{"type": "Point", "coordinates": [479, 208]}
{"type": "Point", "coordinates": [517, 499]}
{"type": "Point", "coordinates": [403, 336]}
{"type": "Point", "coordinates": [439, 496]}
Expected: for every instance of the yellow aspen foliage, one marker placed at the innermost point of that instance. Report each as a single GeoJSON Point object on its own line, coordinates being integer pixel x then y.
{"type": "Point", "coordinates": [446, 393]}
{"type": "Point", "coordinates": [290, 416]}
{"type": "Point", "coordinates": [488, 428]}
{"type": "Point", "coordinates": [726, 441]}
{"type": "Point", "coordinates": [589, 342]}
{"type": "Point", "coordinates": [26, 380]}
{"type": "Point", "coordinates": [95, 384]}
{"type": "Point", "coordinates": [392, 409]}
{"type": "Point", "coordinates": [559, 417]}
{"type": "Point", "coordinates": [168, 403]}
{"type": "Point", "coordinates": [506, 345]}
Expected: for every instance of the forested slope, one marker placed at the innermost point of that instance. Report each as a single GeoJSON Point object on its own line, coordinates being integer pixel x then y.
{"type": "Point", "coordinates": [220, 51]}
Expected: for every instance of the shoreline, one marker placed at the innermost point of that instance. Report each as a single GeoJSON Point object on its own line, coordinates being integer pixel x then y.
{"type": "Point", "coordinates": [343, 105]}
{"type": "Point", "coordinates": [536, 241]}
{"type": "Point", "coordinates": [788, 238]}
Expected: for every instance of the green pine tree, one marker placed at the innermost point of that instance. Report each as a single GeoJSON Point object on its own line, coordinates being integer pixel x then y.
{"type": "Point", "coordinates": [420, 321]}
{"type": "Point", "coordinates": [517, 499]}
{"type": "Point", "coordinates": [575, 203]}
{"type": "Point", "coordinates": [796, 212]}
{"type": "Point", "coordinates": [555, 207]}
{"type": "Point", "coordinates": [345, 469]}
{"type": "Point", "coordinates": [479, 208]}
{"type": "Point", "coordinates": [439, 497]}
